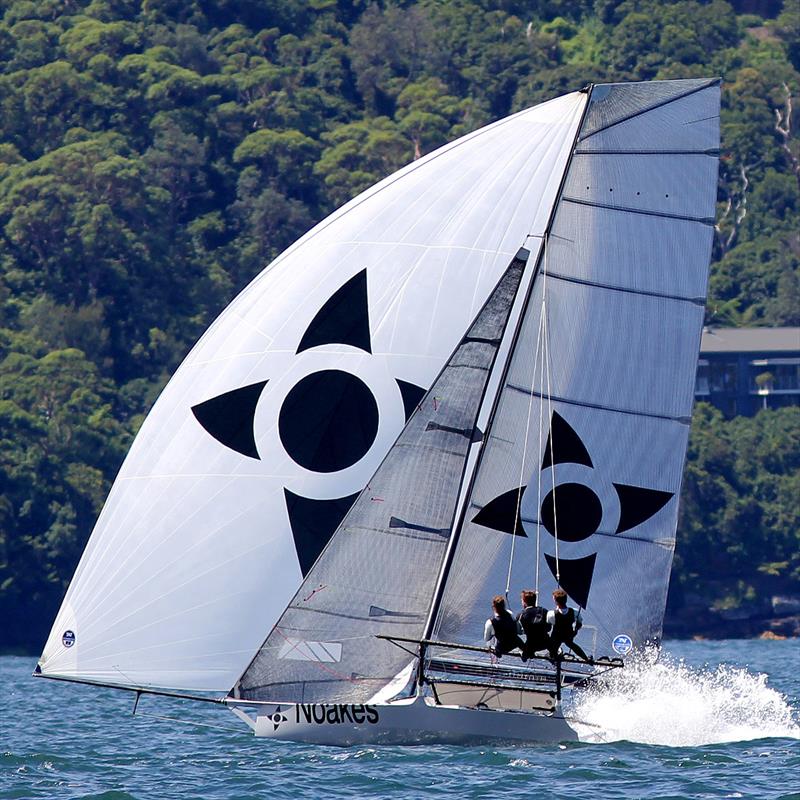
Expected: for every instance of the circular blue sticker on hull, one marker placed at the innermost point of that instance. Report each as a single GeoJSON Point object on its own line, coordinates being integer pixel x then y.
{"type": "Point", "coordinates": [68, 639]}
{"type": "Point", "coordinates": [622, 644]}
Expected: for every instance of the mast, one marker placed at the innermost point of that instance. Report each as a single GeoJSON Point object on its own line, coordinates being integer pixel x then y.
{"type": "Point", "coordinates": [451, 549]}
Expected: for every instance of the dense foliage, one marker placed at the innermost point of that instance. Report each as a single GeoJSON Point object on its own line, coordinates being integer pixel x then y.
{"type": "Point", "coordinates": [156, 154]}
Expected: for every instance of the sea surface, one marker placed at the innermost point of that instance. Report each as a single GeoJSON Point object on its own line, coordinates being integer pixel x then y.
{"type": "Point", "coordinates": [708, 720]}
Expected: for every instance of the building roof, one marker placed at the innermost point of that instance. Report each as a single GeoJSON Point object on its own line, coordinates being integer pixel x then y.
{"type": "Point", "coordinates": [750, 340]}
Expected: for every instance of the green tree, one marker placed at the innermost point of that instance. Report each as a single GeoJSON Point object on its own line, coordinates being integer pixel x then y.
{"type": "Point", "coordinates": [358, 154]}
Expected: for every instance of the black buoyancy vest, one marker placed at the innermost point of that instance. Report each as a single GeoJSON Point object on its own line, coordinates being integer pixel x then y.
{"type": "Point", "coordinates": [564, 624]}
{"type": "Point", "coordinates": [534, 621]}
{"type": "Point", "coordinates": [505, 629]}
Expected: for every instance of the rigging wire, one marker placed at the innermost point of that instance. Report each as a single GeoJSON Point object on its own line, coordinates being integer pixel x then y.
{"type": "Point", "coordinates": [548, 393]}
{"type": "Point", "coordinates": [543, 350]}
{"type": "Point", "coordinates": [539, 471]}
{"type": "Point", "coordinates": [517, 515]}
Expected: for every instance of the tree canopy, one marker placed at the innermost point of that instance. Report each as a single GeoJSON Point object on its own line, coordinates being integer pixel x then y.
{"type": "Point", "coordinates": [156, 155]}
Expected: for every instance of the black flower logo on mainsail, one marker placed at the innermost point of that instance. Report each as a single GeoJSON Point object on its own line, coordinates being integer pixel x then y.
{"type": "Point", "coordinates": [327, 421]}
{"type": "Point", "coordinates": [573, 509]}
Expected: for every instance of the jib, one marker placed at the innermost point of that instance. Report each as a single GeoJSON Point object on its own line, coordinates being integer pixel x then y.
{"type": "Point", "coordinates": [337, 714]}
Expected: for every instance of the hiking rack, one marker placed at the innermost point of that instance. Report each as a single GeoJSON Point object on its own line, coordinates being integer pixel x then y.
{"type": "Point", "coordinates": [576, 676]}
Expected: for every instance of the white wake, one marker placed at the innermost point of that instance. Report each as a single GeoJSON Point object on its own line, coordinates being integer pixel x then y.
{"type": "Point", "coordinates": [668, 703]}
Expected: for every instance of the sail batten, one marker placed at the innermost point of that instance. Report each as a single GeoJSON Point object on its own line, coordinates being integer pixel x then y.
{"type": "Point", "coordinates": [683, 420]}
{"type": "Point", "coordinates": [709, 221]}
{"type": "Point", "coordinates": [698, 301]}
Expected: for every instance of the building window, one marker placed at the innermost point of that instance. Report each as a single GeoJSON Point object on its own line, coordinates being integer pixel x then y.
{"type": "Point", "coordinates": [722, 376]}
{"type": "Point", "coordinates": [701, 382]}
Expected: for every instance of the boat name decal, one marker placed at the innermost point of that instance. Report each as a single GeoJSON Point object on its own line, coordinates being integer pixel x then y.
{"type": "Point", "coordinates": [356, 714]}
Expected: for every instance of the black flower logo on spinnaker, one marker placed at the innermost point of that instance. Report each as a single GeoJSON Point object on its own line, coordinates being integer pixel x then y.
{"type": "Point", "coordinates": [327, 422]}
{"type": "Point", "coordinates": [573, 508]}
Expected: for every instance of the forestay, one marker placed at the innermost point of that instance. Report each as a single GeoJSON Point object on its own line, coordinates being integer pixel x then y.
{"type": "Point", "coordinates": [623, 274]}
{"type": "Point", "coordinates": [378, 574]}
{"type": "Point", "coordinates": [288, 404]}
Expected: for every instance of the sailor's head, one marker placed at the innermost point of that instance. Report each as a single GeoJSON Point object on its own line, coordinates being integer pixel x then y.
{"type": "Point", "coordinates": [560, 597]}
{"type": "Point", "coordinates": [528, 598]}
{"type": "Point", "coordinates": [499, 604]}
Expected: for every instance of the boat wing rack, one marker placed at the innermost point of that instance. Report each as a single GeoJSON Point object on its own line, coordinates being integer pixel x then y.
{"type": "Point", "coordinates": [564, 659]}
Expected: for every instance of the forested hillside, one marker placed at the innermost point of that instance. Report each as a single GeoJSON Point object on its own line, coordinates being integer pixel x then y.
{"type": "Point", "coordinates": [156, 155]}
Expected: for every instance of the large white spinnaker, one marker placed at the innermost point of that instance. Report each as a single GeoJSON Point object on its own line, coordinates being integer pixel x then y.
{"type": "Point", "coordinates": [286, 406]}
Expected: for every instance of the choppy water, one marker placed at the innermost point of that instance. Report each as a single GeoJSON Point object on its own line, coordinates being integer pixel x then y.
{"type": "Point", "coordinates": [683, 728]}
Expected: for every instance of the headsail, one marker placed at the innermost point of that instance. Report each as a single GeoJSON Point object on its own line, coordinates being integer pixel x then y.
{"type": "Point", "coordinates": [287, 405]}
{"type": "Point", "coordinates": [623, 278]}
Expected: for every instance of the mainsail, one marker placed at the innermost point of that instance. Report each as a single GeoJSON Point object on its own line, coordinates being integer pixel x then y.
{"type": "Point", "coordinates": [281, 413]}
{"type": "Point", "coordinates": [618, 309]}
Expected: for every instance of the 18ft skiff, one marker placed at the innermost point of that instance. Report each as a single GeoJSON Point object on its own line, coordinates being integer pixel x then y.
{"type": "Point", "coordinates": [476, 376]}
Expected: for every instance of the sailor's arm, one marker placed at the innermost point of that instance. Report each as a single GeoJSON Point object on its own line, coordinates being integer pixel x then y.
{"type": "Point", "coordinates": [488, 631]}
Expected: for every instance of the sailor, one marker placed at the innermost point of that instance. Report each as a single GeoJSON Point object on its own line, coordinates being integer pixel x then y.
{"type": "Point", "coordinates": [533, 620]}
{"type": "Point", "coordinates": [503, 628]}
{"type": "Point", "coordinates": [566, 625]}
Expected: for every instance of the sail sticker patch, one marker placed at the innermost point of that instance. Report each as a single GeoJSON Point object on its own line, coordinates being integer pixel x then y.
{"type": "Point", "coordinates": [622, 644]}
{"type": "Point", "coordinates": [302, 650]}
{"type": "Point", "coordinates": [328, 421]}
{"type": "Point", "coordinates": [68, 639]}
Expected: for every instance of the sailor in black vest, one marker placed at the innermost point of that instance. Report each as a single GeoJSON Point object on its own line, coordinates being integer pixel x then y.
{"type": "Point", "coordinates": [566, 625]}
{"type": "Point", "coordinates": [502, 628]}
{"type": "Point", "coordinates": [533, 620]}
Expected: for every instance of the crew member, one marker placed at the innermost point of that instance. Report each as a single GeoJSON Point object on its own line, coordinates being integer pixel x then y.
{"type": "Point", "coordinates": [566, 625]}
{"type": "Point", "coordinates": [533, 619]}
{"type": "Point", "coordinates": [502, 628]}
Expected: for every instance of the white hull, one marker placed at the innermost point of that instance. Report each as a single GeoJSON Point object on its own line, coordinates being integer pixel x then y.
{"type": "Point", "coordinates": [411, 721]}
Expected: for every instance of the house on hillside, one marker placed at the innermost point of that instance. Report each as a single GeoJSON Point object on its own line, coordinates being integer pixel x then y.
{"type": "Point", "coordinates": [742, 370]}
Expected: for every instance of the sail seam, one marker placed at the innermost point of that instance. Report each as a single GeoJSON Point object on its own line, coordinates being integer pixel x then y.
{"type": "Point", "coordinates": [683, 217]}
{"type": "Point", "coordinates": [712, 82]}
{"type": "Point", "coordinates": [698, 301]}
{"type": "Point", "coordinates": [601, 407]}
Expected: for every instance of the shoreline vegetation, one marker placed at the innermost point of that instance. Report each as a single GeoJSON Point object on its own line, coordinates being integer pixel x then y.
{"type": "Point", "coordinates": [154, 157]}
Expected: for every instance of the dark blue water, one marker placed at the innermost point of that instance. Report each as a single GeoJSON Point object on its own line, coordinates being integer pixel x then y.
{"type": "Point", "coordinates": [684, 728]}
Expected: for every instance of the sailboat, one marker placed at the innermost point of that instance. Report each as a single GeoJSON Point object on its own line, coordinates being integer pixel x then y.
{"type": "Point", "coordinates": [476, 376]}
